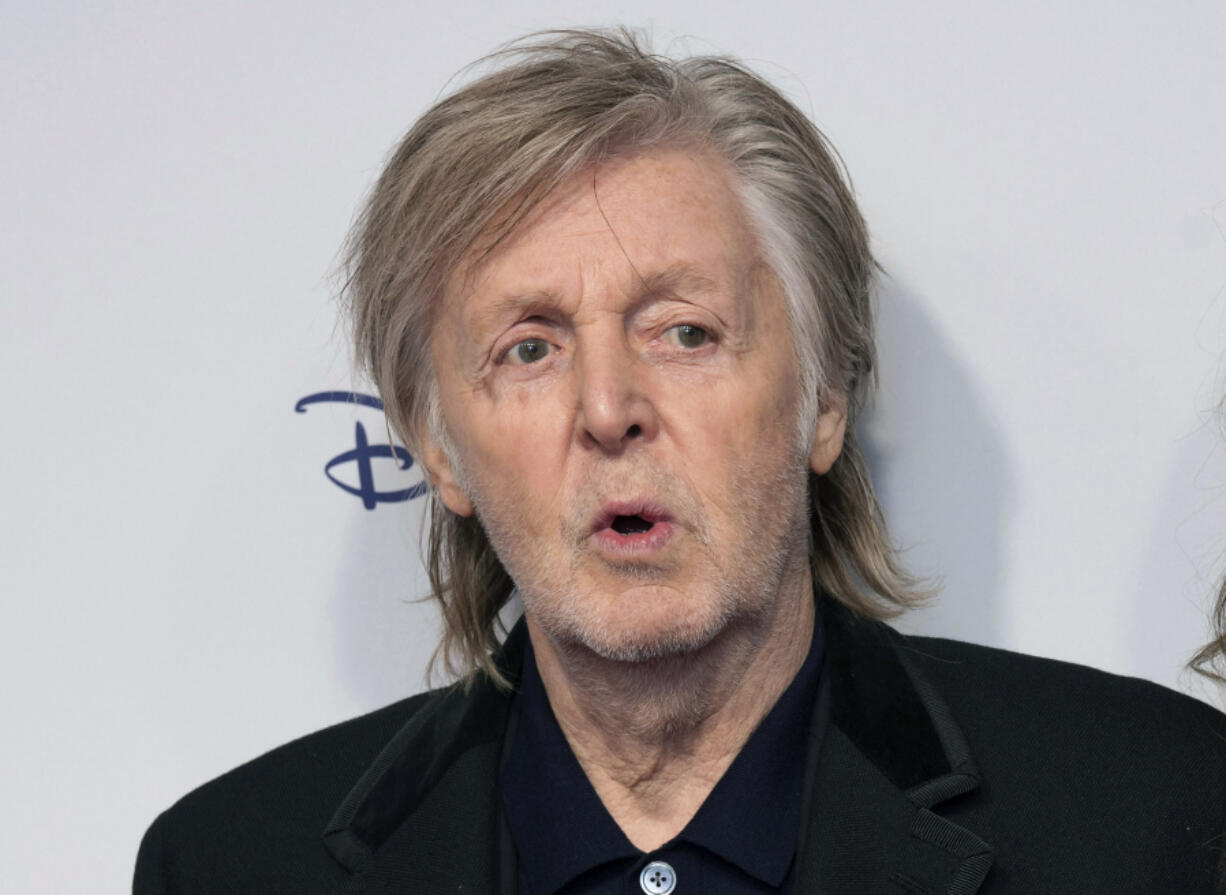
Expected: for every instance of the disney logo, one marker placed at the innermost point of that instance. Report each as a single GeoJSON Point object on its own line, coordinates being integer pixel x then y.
{"type": "Point", "coordinates": [363, 452]}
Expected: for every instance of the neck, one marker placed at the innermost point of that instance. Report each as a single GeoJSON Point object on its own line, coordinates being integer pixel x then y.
{"type": "Point", "coordinates": [655, 737]}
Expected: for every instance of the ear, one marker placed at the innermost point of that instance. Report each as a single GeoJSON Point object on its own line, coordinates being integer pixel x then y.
{"type": "Point", "coordinates": [831, 426]}
{"type": "Point", "coordinates": [442, 475]}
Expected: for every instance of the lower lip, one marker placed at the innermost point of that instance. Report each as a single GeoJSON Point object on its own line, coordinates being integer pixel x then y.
{"type": "Point", "coordinates": [635, 544]}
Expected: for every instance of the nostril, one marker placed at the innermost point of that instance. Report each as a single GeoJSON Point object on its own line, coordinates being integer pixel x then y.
{"type": "Point", "coordinates": [634, 431]}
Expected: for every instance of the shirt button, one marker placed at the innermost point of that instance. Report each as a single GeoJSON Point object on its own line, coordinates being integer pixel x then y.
{"type": "Point", "coordinates": [657, 878]}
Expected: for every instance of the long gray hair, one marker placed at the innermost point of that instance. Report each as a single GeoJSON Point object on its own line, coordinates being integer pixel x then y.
{"type": "Point", "coordinates": [484, 156]}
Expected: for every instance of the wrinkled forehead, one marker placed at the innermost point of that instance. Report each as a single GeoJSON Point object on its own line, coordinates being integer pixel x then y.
{"type": "Point", "coordinates": [674, 214]}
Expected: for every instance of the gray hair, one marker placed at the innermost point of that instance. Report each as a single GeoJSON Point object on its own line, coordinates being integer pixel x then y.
{"type": "Point", "coordinates": [478, 161]}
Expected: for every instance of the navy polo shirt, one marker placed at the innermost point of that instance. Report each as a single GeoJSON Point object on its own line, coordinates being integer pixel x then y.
{"type": "Point", "coordinates": [742, 840]}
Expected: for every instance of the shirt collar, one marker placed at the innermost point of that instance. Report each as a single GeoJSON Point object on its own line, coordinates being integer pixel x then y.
{"type": "Point", "coordinates": [751, 817]}
{"type": "Point", "coordinates": [560, 826]}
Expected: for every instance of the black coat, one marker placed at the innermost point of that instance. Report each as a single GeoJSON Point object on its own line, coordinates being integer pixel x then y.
{"type": "Point", "coordinates": [943, 768]}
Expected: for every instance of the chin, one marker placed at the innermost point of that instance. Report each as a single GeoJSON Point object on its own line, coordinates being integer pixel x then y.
{"type": "Point", "coordinates": [635, 636]}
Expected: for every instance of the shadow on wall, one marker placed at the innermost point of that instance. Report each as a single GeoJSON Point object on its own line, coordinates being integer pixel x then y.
{"type": "Point", "coordinates": [941, 472]}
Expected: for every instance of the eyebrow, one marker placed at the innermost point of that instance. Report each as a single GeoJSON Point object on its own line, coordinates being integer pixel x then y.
{"type": "Point", "coordinates": [678, 279]}
{"type": "Point", "coordinates": [516, 304]}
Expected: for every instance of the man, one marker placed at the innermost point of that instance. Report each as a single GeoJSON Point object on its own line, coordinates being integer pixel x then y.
{"type": "Point", "coordinates": [619, 306]}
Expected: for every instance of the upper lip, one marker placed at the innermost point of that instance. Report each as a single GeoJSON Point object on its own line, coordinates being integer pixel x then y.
{"type": "Point", "coordinates": [646, 509]}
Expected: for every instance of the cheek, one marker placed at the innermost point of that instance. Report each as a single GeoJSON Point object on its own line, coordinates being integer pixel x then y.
{"type": "Point", "coordinates": [520, 443]}
{"type": "Point", "coordinates": [737, 442]}
{"type": "Point", "coordinates": [751, 412]}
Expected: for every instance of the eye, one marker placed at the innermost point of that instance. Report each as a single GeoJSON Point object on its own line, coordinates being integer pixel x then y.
{"type": "Point", "coordinates": [687, 335]}
{"type": "Point", "coordinates": [529, 351]}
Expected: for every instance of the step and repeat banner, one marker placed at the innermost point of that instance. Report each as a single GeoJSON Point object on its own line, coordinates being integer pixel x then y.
{"type": "Point", "coordinates": [211, 541]}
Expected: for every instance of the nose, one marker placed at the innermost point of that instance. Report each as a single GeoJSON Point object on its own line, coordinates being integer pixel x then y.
{"type": "Point", "coordinates": [614, 409]}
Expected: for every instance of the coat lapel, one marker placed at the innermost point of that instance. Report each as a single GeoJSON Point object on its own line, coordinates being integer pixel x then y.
{"type": "Point", "coordinates": [889, 755]}
{"type": "Point", "coordinates": [426, 816]}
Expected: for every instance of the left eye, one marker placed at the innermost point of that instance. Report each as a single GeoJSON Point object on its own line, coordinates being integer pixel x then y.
{"type": "Point", "coordinates": [529, 351]}
{"type": "Point", "coordinates": [687, 335]}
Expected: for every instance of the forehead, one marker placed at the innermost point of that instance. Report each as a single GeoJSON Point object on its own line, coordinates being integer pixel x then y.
{"type": "Point", "coordinates": [668, 217]}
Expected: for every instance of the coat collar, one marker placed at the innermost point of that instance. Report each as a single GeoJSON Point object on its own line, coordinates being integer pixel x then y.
{"type": "Point", "coordinates": [890, 754]}
{"type": "Point", "coordinates": [426, 815]}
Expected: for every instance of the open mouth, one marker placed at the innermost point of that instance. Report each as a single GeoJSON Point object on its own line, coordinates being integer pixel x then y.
{"type": "Point", "coordinates": [632, 528]}
{"type": "Point", "coordinates": [631, 525]}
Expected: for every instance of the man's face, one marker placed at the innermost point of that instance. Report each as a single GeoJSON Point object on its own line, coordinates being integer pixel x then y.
{"type": "Point", "coordinates": [619, 383]}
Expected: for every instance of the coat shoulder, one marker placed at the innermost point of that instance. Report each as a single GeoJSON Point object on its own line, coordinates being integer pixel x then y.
{"type": "Point", "coordinates": [1047, 695]}
{"type": "Point", "coordinates": [259, 827]}
{"type": "Point", "coordinates": [1082, 764]}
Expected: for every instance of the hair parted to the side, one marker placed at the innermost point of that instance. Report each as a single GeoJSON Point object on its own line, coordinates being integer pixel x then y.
{"type": "Point", "coordinates": [477, 162]}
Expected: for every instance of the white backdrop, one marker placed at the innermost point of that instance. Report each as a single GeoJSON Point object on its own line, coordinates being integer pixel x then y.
{"type": "Point", "coordinates": [184, 588]}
